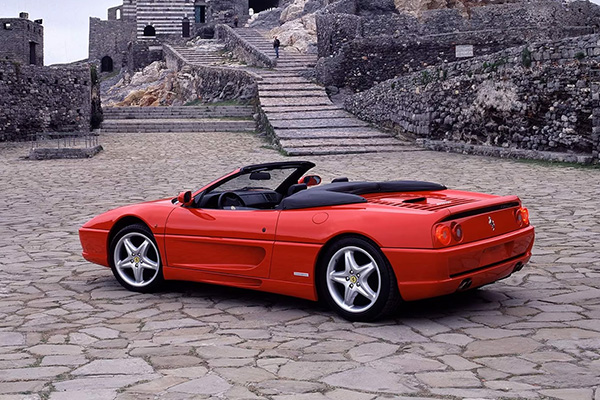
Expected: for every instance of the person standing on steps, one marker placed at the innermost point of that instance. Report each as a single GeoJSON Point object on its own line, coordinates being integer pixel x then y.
{"type": "Point", "coordinates": [236, 21]}
{"type": "Point", "coordinates": [276, 44]}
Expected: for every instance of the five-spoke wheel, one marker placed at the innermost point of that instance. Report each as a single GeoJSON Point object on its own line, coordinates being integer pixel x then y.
{"type": "Point", "coordinates": [135, 259]}
{"type": "Point", "coordinates": [356, 281]}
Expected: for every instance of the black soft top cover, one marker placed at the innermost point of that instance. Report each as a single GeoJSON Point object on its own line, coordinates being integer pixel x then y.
{"type": "Point", "coordinates": [339, 193]}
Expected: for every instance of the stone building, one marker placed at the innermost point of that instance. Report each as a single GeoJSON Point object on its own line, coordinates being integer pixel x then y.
{"type": "Point", "coordinates": [133, 34]}
{"type": "Point", "coordinates": [22, 40]}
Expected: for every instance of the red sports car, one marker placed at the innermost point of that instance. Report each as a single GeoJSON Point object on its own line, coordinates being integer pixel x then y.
{"type": "Point", "coordinates": [361, 246]}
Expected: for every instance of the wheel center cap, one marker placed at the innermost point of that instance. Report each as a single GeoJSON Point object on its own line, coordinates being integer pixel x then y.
{"type": "Point", "coordinates": [136, 260]}
{"type": "Point", "coordinates": [353, 279]}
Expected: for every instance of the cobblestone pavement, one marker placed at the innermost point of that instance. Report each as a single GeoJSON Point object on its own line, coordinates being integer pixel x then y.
{"type": "Point", "coordinates": [69, 331]}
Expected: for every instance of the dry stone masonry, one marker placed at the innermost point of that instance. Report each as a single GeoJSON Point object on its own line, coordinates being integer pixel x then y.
{"type": "Point", "coordinates": [22, 40]}
{"type": "Point", "coordinates": [534, 97]}
{"type": "Point", "coordinates": [361, 46]}
{"type": "Point", "coordinates": [37, 99]}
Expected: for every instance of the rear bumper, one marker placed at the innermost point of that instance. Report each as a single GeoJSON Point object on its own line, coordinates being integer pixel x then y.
{"type": "Point", "coordinates": [429, 273]}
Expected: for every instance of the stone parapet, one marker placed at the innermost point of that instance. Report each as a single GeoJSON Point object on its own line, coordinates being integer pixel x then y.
{"type": "Point", "coordinates": [241, 49]}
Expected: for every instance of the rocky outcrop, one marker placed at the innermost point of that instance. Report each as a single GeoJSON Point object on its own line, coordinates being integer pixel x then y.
{"type": "Point", "coordinates": [156, 85]}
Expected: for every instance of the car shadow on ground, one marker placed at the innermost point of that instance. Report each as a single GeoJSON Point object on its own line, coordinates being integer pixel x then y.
{"type": "Point", "coordinates": [457, 304]}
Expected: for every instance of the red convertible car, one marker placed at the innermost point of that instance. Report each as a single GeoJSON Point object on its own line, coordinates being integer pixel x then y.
{"type": "Point", "coordinates": [362, 247]}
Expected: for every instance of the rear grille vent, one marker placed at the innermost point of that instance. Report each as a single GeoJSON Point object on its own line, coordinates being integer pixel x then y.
{"type": "Point", "coordinates": [479, 211]}
{"type": "Point", "coordinates": [421, 203]}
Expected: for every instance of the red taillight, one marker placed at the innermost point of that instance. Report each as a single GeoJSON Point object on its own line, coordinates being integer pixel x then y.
{"type": "Point", "coordinates": [443, 235]}
{"type": "Point", "coordinates": [522, 216]}
{"type": "Point", "coordinates": [457, 232]}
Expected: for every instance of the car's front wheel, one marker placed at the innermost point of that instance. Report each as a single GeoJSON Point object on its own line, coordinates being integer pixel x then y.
{"type": "Point", "coordinates": [356, 280]}
{"type": "Point", "coordinates": [135, 259]}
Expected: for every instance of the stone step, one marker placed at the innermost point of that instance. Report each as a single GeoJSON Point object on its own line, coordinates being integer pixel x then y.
{"type": "Point", "coordinates": [278, 108]}
{"type": "Point", "coordinates": [267, 80]}
{"type": "Point", "coordinates": [178, 126]}
{"type": "Point", "coordinates": [173, 117]}
{"type": "Point", "coordinates": [318, 123]}
{"type": "Point", "coordinates": [177, 122]}
{"type": "Point", "coordinates": [295, 101]}
{"type": "Point", "coordinates": [331, 133]}
{"type": "Point", "coordinates": [292, 93]}
{"type": "Point", "coordinates": [338, 142]}
{"type": "Point", "coordinates": [290, 86]}
{"type": "Point", "coordinates": [312, 114]}
{"type": "Point", "coordinates": [206, 107]}
{"type": "Point", "coordinates": [176, 129]}
{"type": "Point", "coordinates": [332, 150]}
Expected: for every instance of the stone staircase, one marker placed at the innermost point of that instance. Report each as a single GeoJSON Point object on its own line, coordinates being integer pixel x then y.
{"type": "Point", "coordinates": [201, 55]}
{"type": "Point", "coordinates": [303, 119]}
{"type": "Point", "coordinates": [178, 119]}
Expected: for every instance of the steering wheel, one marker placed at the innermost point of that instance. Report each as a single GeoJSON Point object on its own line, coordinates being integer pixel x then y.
{"type": "Point", "coordinates": [230, 199]}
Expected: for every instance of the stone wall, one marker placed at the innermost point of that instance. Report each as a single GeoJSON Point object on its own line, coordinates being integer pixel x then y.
{"type": "Point", "coordinates": [535, 97]}
{"type": "Point", "coordinates": [241, 49]}
{"type": "Point", "coordinates": [110, 39]}
{"type": "Point", "coordinates": [36, 99]}
{"type": "Point", "coordinates": [143, 53]}
{"type": "Point", "coordinates": [363, 50]}
{"type": "Point", "coordinates": [16, 34]}
{"type": "Point", "coordinates": [596, 117]}
{"type": "Point", "coordinates": [210, 84]}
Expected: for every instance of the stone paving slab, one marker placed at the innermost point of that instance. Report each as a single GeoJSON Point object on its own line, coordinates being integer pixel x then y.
{"type": "Point", "coordinates": [69, 331]}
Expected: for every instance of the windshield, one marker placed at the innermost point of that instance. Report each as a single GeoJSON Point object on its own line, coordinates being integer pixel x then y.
{"type": "Point", "coordinates": [265, 179]}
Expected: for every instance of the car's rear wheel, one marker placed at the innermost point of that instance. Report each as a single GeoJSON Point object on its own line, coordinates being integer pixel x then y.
{"type": "Point", "coordinates": [356, 280]}
{"type": "Point", "coordinates": [135, 259]}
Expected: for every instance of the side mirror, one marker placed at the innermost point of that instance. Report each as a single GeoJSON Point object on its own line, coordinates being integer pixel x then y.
{"type": "Point", "coordinates": [185, 198]}
{"type": "Point", "coordinates": [311, 180]}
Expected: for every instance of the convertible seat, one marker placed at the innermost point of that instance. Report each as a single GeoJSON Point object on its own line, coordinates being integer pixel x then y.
{"type": "Point", "coordinates": [319, 198]}
{"type": "Point", "coordinates": [340, 193]}
{"type": "Point", "coordinates": [296, 188]}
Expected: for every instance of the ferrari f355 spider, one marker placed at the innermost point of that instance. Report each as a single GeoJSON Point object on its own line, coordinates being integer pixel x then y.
{"type": "Point", "coordinates": [362, 247]}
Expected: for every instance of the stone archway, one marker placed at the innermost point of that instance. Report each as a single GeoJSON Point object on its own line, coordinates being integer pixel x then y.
{"type": "Point", "coordinates": [106, 64]}
{"type": "Point", "coordinates": [262, 5]}
{"type": "Point", "coordinates": [149, 31]}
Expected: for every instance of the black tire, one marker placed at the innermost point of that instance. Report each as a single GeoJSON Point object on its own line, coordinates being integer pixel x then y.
{"type": "Point", "coordinates": [355, 297]}
{"type": "Point", "coordinates": [135, 260]}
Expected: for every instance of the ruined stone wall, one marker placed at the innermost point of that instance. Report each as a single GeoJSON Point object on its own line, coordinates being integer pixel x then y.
{"type": "Point", "coordinates": [110, 38]}
{"type": "Point", "coordinates": [358, 51]}
{"type": "Point", "coordinates": [535, 97]}
{"type": "Point", "coordinates": [36, 99]}
{"type": "Point", "coordinates": [16, 34]}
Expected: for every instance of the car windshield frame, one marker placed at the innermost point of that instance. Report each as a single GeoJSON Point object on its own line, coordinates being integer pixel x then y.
{"type": "Point", "coordinates": [297, 170]}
